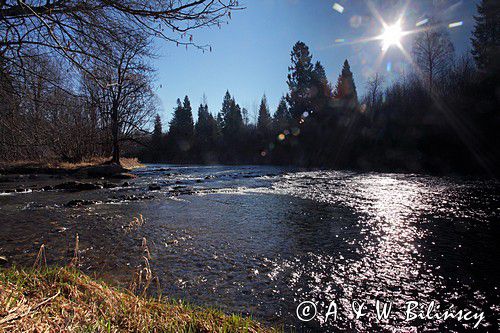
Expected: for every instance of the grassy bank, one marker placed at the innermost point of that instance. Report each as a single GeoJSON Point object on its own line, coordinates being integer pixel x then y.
{"type": "Point", "coordinates": [64, 299]}
{"type": "Point", "coordinates": [34, 166]}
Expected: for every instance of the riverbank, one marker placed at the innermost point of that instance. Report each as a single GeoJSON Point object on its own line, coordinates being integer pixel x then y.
{"type": "Point", "coordinates": [66, 299]}
{"type": "Point", "coordinates": [97, 168]}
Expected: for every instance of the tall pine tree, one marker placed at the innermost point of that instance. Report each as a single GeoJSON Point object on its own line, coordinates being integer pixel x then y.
{"type": "Point", "coordinates": [224, 113]}
{"type": "Point", "coordinates": [321, 87]}
{"type": "Point", "coordinates": [182, 128]}
{"type": "Point", "coordinates": [486, 36]}
{"type": "Point", "coordinates": [156, 140]}
{"type": "Point", "coordinates": [300, 80]}
{"type": "Point", "coordinates": [345, 90]}
{"type": "Point", "coordinates": [206, 135]}
{"type": "Point", "coordinates": [282, 117]}
{"type": "Point", "coordinates": [230, 118]}
{"type": "Point", "coordinates": [231, 125]}
{"type": "Point", "coordinates": [264, 121]}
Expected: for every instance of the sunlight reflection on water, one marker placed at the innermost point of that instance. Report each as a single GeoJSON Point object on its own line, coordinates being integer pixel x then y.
{"type": "Point", "coordinates": [390, 266]}
{"type": "Point", "coordinates": [260, 240]}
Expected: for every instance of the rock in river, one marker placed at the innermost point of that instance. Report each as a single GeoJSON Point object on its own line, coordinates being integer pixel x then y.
{"type": "Point", "coordinates": [80, 202]}
{"type": "Point", "coordinates": [154, 187]}
{"type": "Point", "coordinates": [77, 186]}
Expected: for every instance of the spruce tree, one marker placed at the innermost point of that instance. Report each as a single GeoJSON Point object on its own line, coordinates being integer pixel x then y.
{"type": "Point", "coordinates": [345, 90]}
{"type": "Point", "coordinates": [234, 121]}
{"type": "Point", "coordinates": [205, 133]}
{"type": "Point", "coordinates": [282, 116]}
{"type": "Point", "coordinates": [300, 80]}
{"type": "Point", "coordinates": [264, 121]}
{"type": "Point", "coordinates": [230, 118]}
{"type": "Point", "coordinates": [182, 127]}
{"type": "Point", "coordinates": [319, 74]}
{"type": "Point", "coordinates": [175, 123]}
{"type": "Point", "coordinates": [321, 88]}
{"type": "Point", "coordinates": [230, 121]}
{"type": "Point", "coordinates": [156, 140]}
{"type": "Point", "coordinates": [225, 111]}
{"type": "Point", "coordinates": [486, 35]}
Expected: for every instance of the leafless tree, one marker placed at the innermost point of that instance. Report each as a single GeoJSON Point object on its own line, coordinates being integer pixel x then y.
{"type": "Point", "coordinates": [79, 29]}
{"type": "Point", "coordinates": [433, 54]}
{"type": "Point", "coordinates": [98, 38]}
{"type": "Point", "coordinates": [127, 101]}
{"type": "Point", "coordinates": [374, 92]}
{"type": "Point", "coordinates": [40, 118]}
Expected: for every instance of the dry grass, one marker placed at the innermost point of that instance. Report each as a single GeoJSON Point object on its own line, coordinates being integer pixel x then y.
{"type": "Point", "coordinates": [64, 299]}
{"type": "Point", "coordinates": [51, 299]}
{"type": "Point", "coordinates": [131, 163]}
{"type": "Point", "coordinates": [134, 224]}
{"type": "Point", "coordinates": [127, 163]}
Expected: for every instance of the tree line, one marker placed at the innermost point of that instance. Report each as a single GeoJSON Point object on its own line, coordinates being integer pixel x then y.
{"type": "Point", "coordinates": [75, 82]}
{"type": "Point", "coordinates": [441, 116]}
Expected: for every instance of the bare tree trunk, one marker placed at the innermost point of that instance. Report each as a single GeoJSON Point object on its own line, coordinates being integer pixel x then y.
{"type": "Point", "coordinates": [115, 132]}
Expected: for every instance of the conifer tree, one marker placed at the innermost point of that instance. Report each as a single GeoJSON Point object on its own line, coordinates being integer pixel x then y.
{"type": "Point", "coordinates": [321, 87]}
{"type": "Point", "coordinates": [157, 131]}
{"type": "Point", "coordinates": [231, 126]}
{"type": "Point", "coordinates": [345, 90]}
{"type": "Point", "coordinates": [182, 127]}
{"type": "Point", "coordinates": [300, 80]}
{"type": "Point", "coordinates": [282, 116]}
{"type": "Point", "coordinates": [264, 121]}
{"type": "Point", "coordinates": [319, 74]}
{"type": "Point", "coordinates": [230, 118]}
{"type": "Point", "coordinates": [205, 133]}
{"type": "Point", "coordinates": [224, 113]}
{"type": "Point", "coordinates": [486, 35]}
{"type": "Point", "coordinates": [156, 139]}
{"type": "Point", "coordinates": [234, 121]}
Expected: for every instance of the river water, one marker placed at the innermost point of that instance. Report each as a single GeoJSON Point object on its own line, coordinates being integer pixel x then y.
{"type": "Point", "coordinates": [262, 240]}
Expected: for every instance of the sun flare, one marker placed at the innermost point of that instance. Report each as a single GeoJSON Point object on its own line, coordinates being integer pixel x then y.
{"type": "Point", "coordinates": [391, 36]}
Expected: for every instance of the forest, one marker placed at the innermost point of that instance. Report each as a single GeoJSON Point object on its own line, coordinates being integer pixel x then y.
{"type": "Point", "coordinates": [440, 117]}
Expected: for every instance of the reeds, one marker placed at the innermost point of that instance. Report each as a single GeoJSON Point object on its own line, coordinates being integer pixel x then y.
{"type": "Point", "coordinates": [134, 224]}
{"type": "Point", "coordinates": [76, 253]}
{"type": "Point", "coordinates": [64, 299]}
{"type": "Point", "coordinates": [41, 258]}
{"type": "Point", "coordinates": [49, 299]}
{"type": "Point", "coordinates": [144, 277]}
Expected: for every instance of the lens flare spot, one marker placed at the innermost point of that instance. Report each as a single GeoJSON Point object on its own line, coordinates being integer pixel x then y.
{"type": "Point", "coordinates": [338, 8]}
{"type": "Point", "coordinates": [355, 21]}
{"type": "Point", "coordinates": [455, 24]}
{"type": "Point", "coordinates": [422, 22]}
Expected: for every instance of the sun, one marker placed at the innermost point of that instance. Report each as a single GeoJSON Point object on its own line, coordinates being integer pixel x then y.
{"type": "Point", "coordinates": [391, 36]}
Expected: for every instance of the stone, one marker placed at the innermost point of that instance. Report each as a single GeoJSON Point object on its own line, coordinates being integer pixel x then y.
{"type": "Point", "coordinates": [154, 187]}
{"type": "Point", "coordinates": [77, 186]}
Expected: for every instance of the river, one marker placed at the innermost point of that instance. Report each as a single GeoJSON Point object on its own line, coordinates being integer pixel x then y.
{"type": "Point", "coordinates": [260, 240]}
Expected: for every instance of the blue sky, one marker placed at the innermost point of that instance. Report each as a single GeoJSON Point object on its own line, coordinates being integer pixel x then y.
{"type": "Point", "coordinates": [250, 55]}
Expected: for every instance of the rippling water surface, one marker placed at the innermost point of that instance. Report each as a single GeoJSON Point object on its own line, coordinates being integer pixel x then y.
{"type": "Point", "coordinates": [260, 240]}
